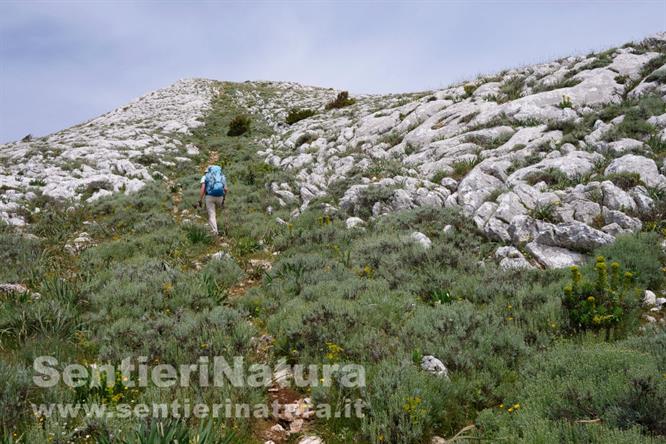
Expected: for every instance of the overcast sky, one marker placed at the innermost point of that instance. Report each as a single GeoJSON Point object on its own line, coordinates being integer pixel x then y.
{"type": "Point", "coordinates": [62, 63]}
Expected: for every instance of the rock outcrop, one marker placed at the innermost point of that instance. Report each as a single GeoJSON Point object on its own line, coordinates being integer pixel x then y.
{"type": "Point", "coordinates": [117, 152]}
{"type": "Point", "coordinates": [528, 154]}
{"type": "Point", "coordinates": [549, 158]}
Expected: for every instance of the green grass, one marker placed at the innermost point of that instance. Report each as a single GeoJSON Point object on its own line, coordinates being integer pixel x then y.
{"type": "Point", "coordinates": [512, 89]}
{"type": "Point", "coordinates": [552, 177]}
{"type": "Point", "coordinates": [636, 113]}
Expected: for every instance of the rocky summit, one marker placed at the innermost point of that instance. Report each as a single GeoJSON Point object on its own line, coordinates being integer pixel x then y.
{"type": "Point", "coordinates": [557, 158]}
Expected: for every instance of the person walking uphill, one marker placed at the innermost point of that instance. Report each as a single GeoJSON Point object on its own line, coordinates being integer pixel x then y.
{"type": "Point", "coordinates": [214, 189]}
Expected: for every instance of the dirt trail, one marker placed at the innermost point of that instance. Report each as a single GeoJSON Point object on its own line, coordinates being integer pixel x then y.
{"type": "Point", "coordinates": [274, 429]}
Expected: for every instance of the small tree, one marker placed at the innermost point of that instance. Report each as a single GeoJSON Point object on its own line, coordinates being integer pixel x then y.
{"type": "Point", "coordinates": [239, 125]}
{"type": "Point", "coordinates": [340, 101]}
{"type": "Point", "coordinates": [606, 303]}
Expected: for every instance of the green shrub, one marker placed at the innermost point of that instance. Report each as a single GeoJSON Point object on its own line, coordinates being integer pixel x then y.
{"type": "Point", "coordinates": [439, 175]}
{"type": "Point", "coordinates": [607, 382]}
{"type": "Point", "coordinates": [626, 181]}
{"type": "Point", "coordinates": [657, 144]}
{"type": "Point", "coordinates": [603, 59]}
{"type": "Point", "coordinates": [553, 177]}
{"type": "Point", "coordinates": [651, 69]}
{"type": "Point", "coordinates": [588, 392]}
{"type": "Point", "coordinates": [468, 117]}
{"type": "Point", "coordinates": [637, 254]}
{"type": "Point", "coordinates": [469, 89]}
{"type": "Point", "coordinates": [392, 138]}
{"type": "Point", "coordinates": [564, 83]}
{"type": "Point", "coordinates": [405, 404]}
{"type": "Point", "coordinates": [298, 114]}
{"type": "Point", "coordinates": [305, 138]}
{"type": "Point", "coordinates": [175, 431]}
{"type": "Point", "coordinates": [636, 112]}
{"type": "Point", "coordinates": [342, 100]}
{"type": "Point", "coordinates": [369, 196]}
{"type": "Point", "coordinates": [223, 273]}
{"type": "Point", "coordinates": [657, 76]}
{"type": "Point", "coordinates": [16, 386]}
{"type": "Point", "coordinates": [24, 317]}
{"type": "Point", "coordinates": [239, 125]}
{"type": "Point", "coordinates": [545, 212]}
{"type": "Point", "coordinates": [608, 303]}
{"type": "Point", "coordinates": [462, 167]}
{"type": "Point", "coordinates": [198, 234]}
{"type": "Point", "coordinates": [18, 255]}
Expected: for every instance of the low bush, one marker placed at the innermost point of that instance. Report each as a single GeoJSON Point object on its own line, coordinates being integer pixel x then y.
{"type": "Point", "coordinates": [607, 382]}
{"type": "Point", "coordinates": [462, 167]}
{"type": "Point", "coordinates": [239, 125]}
{"type": "Point", "coordinates": [651, 69]}
{"type": "Point", "coordinates": [586, 392]}
{"type": "Point", "coordinates": [553, 177]}
{"type": "Point", "coordinates": [19, 255]}
{"type": "Point", "coordinates": [609, 303]}
{"type": "Point", "coordinates": [369, 196]}
{"type": "Point", "coordinates": [626, 181]}
{"type": "Point", "coordinates": [305, 138]}
{"type": "Point", "coordinates": [405, 404]}
{"type": "Point", "coordinates": [637, 254]}
{"type": "Point", "coordinates": [469, 89]}
{"type": "Point", "coordinates": [545, 212]}
{"type": "Point", "coordinates": [392, 138]}
{"type": "Point", "coordinates": [16, 386]}
{"type": "Point", "coordinates": [636, 113]}
{"type": "Point", "coordinates": [198, 234]}
{"type": "Point", "coordinates": [298, 114]}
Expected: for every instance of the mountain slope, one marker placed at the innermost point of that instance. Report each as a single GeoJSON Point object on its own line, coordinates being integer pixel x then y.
{"type": "Point", "coordinates": [455, 337]}
{"type": "Point", "coordinates": [560, 157]}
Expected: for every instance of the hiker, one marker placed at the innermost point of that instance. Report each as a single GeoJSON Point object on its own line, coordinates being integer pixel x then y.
{"type": "Point", "coordinates": [214, 189]}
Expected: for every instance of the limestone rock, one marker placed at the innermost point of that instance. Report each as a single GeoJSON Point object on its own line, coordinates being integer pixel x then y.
{"type": "Point", "coordinates": [631, 163]}
{"type": "Point", "coordinates": [511, 258]}
{"type": "Point", "coordinates": [79, 243]}
{"type": "Point", "coordinates": [433, 365]}
{"type": "Point", "coordinates": [353, 222]}
{"type": "Point", "coordinates": [576, 236]}
{"type": "Point", "coordinates": [554, 257]}
{"type": "Point", "coordinates": [13, 288]}
{"type": "Point", "coordinates": [649, 298]}
{"type": "Point", "coordinates": [421, 239]}
{"type": "Point", "coordinates": [615, 198]}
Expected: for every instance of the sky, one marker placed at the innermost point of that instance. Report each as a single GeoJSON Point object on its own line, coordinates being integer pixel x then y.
{"type": "Point", "coordinates": [64, 62]}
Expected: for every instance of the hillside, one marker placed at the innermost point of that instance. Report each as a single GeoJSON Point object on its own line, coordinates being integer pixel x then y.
{"type": "Point", "coordinates": [428, 237]}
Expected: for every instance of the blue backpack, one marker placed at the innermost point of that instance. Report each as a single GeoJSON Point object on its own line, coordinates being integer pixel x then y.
{"type": "Point", "coordinates": [215, 181]}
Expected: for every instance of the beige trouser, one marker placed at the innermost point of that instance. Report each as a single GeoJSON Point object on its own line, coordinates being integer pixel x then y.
{"type": "Point", "coordinates": [212, 202]}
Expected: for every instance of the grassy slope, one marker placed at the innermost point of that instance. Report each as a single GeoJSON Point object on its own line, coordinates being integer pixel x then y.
{"type": "Point", "coordinates": [364, 296]}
